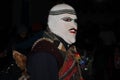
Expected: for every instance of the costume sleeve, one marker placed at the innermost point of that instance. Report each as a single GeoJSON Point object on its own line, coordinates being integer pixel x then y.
{"type": "Point", "coordinates": [42, 66]}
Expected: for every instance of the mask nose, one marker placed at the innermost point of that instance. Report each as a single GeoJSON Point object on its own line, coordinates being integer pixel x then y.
{"type": "Point", "coordinates": [74, 25]}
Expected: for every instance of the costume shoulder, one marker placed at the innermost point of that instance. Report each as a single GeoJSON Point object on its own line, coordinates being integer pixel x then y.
{"type": "Point", "coordinates": [48, 46]}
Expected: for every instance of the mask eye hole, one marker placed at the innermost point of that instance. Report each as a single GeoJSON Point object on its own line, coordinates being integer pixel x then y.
{"type": "Point", "coordinates": [67, 19]}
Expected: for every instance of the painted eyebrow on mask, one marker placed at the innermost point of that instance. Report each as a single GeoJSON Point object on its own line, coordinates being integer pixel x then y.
{"type": "Point", "coordinates": [58, 12]}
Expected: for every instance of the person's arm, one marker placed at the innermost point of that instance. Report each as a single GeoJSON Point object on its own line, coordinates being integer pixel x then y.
{"type": "Point", "coordinates": [42, 66]}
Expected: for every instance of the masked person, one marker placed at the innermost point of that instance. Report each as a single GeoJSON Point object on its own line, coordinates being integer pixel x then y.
{"type": "Point", "coordinates": [54, 57]}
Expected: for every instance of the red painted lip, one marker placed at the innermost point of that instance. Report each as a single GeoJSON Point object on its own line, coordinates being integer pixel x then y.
{"type": "Point", "coordinates": [73, 30]}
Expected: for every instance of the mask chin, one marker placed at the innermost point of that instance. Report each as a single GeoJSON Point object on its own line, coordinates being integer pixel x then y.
{"type": "Point", "coordinates": [70, 41]}
{"type": "Point", "coordinates": [67, 38]}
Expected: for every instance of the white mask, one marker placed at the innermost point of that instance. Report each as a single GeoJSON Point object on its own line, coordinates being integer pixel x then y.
{"type": "Point", "coordinates": [61, 21]}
